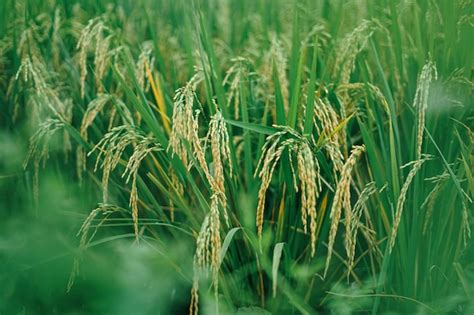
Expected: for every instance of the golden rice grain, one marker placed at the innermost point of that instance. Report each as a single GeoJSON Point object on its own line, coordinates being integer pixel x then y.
{"type": "Point", "coordinates": [220, 151]}
{"type": "Point", "coordinates": [207, 253]}
{"type": "Point", "coordinates": [93, 109]}
{"type": "Point", "coordinates": [93, 37]}
{"type": "Point", "coordinates": [308, 174]}
{"type": "Point", "coordinates": [342, 200]}
{"type": "Point", "coordinates": [184, 137]}
{"type": "Point", "coordinates": [111, 148]}
{"type": "Point", "coordinates": [310, 184]}
{"type": "Point", "coordinates": [326, 121]}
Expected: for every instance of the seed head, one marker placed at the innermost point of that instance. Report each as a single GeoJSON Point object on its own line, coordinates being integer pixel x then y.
{"type": "Point", "coordinates": [355, 224]}
{"type": "Point", "coordinates": [401, 199]}
{"type": "Point", "coordinates": [220, 151]}
{"type": "Point", "coordinates": [93, 38]}
{"type": "Point", "coordinates": [306, 179]}
{"type": "Point", "coordinates": [275, 62]}
{"type": "Point", "coordinates": [237, 75]}
{"type": "Point", "coordinates": [420, 102]}
{"type": "Point", "coordinates": [111, 148]}
{"type": "Point", "coordinates": [342, 201]}
{"type": "Point", "coordinates": [326, 122]}
{"type": "Point", "coordinates": [104, 209]}
{"type": "Point", "coordinates": [145, 58]}
{"type": "Point", "coordinates": [184, 137]}
{"type": "Point", "coordinates": [38, 150]}
{"type": "Point", "coordinates": [207, 252]}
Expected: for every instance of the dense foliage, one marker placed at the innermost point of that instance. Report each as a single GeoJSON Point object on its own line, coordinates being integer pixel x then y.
{"type": "Point", "coordinates": [231, 156]}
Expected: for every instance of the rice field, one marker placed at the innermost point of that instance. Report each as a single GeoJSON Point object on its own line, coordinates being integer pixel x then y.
{"type": "Point", "coordinates": [236, 157]}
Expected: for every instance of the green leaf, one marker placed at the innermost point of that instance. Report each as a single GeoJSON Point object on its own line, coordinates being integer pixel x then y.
{"type": "Point", "coordinates": [252, 127]}
{"type": "Point", "coordinates": [252, 310]}
{"type": "Point", "coordinates": [308, 119]}
{"type": "Point", "coordinates": [277, 251]}
{"type": "Point", "coordinates": [226, 243]}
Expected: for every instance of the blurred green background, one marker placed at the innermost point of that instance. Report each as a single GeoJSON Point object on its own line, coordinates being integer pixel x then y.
{"type": "Point", "coordinates": [38, 244]}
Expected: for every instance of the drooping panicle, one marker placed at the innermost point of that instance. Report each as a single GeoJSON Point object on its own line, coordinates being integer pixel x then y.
{"type": "Point", "coordinates": [342, 201]}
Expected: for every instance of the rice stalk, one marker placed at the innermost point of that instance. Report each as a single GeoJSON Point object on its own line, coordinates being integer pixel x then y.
{"type": "Point", "coordinates": [430, 200]}
{"type": "Point", "coordinates": [159, 98]}
{"type": "Point", "coordinates": [39, 72]}
{"type": "Point", "coordinates": [416, 165]}
{"type": "Point", "coordinates": [111, 148]}
{"type": "Point", "coordinates": [106, 210]}
{"type": "Point", "coordinates": [308, 174]}
{"type": "Point", "coordinates": [310, 184]}
{"type": "Point", "coordinates": [45, 100]}
{"type": "Point", "coordinates": [326, 120]}
{"type": "Point", "coordinates": [56, 38]}
{"type": "Point", "coordinates": [209, 242]}
{"type": "Point", "coordinates": [275, 61]}
{"type": "Point", "coordinates": [207, 253]}
{"type": "Point", "coordinates": [38, 149]}
{"type": "Point", "coordinates": [92, 37]}
{"type": "Point", "coordinates": [47, 109]}
{"type": "Point", "coordinates": [178, 187]}
{"type": "Point", "coordinates": [355, 223]}
{"type": "Point", "coordinates": [420, 102]}
{"type": "Point", "coordinates": [363, 87]}
{"type": "Point", "coordinates": [5, 48]}
{"type": "Point", "coordinates": [346, 53]}
{"type": "Point", "coordinates": [145, 59]}
{"type": "Point", "coordinates": [185, 126]}
{"type": "Point", "coordinates": [93, 109]}
{"type": "Point", "coordinates": [466, 224]}
{"type": "Point", "coordinates": [237, 74]}
{"type": "Point", "coordinates": [342, 201]}
{"type": "Point", "coordinates": [141, 150]}
{"type": "Point", "coordinates": [271, 154]}
{"type": "Point", "coordinates": [33, 34]}
{"type": "Point", "coordinates": [220, 151]}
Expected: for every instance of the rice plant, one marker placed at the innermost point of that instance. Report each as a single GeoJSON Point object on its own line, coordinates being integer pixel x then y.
{"type": "Point", "coordinates": [237, 157]}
